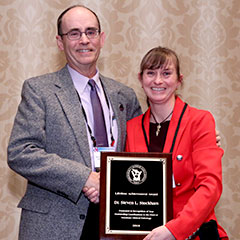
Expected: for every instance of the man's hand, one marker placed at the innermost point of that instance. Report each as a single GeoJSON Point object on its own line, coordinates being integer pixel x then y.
{"type": "Point", "coordinates": [218, 138]}
{"type": "Point", "coordinates": [92, 187]}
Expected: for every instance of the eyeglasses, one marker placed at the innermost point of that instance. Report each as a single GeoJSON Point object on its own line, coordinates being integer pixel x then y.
{"type": "Point", "coordinates": [76, 34]}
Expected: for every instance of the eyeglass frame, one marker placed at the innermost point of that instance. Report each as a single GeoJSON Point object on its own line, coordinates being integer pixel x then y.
{"type": "Point", "coordinates": [97, 32]}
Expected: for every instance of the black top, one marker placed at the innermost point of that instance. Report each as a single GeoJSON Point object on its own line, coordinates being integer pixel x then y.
{"type": "Point", "coordinates": [157, 142]}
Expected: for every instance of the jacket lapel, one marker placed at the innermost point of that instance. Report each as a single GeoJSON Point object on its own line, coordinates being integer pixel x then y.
{"type": "Point", "coordinates": [119, 110]}
{"type": "Point", "coordinates": [68, 98]}
{"type": "Point", "coordinates": [179, 105]}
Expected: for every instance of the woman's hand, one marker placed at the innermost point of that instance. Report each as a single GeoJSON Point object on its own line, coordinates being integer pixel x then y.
{"type": "Point", "coordinates": [160, 233]}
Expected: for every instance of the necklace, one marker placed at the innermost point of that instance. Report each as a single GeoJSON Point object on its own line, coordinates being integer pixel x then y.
{"type": "Point", "coordinates": [159, 123]}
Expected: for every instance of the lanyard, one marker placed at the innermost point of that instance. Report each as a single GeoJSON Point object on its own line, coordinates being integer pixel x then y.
{"type": "Point", "coordinates": [89, 128]}
{"type": "Point", "coordinates": [176, 131]}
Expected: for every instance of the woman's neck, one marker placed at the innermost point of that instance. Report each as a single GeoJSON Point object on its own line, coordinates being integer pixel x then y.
{"type": "Point", "coordinates": [161, 112]}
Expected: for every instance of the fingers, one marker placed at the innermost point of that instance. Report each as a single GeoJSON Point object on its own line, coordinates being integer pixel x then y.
{"type": "Point", "coordinates": [218, 138]}
{"type": "Point", "coordinates": [93, 181]}
{"type": "Point", "coordinates": [91, 189]}
{"type": "Point", "coordinates": [160, 233]}
{"type": "Point", "coordinates": [92, 194]}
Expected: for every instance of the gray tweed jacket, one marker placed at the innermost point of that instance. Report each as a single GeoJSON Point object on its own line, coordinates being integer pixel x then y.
{"type": "Point", "coordinates": [49, 147]}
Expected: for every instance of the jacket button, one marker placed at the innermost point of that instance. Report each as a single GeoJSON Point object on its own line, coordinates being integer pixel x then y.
{"type": "Point", "coordinates": [82, 216]}
{"type": "Point", "coordinates": [178, 184]}
{"type": "Point", "coordinates": [179, 157]}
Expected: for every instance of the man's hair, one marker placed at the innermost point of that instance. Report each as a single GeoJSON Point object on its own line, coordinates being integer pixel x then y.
{"type": "Point", "coordinates": [59, 21]}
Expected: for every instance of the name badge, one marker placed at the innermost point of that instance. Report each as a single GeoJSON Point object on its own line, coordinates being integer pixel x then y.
{"type": "Point", "coordinates": [97, 155]}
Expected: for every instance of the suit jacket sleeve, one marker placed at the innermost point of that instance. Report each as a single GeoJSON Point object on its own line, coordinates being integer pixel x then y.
{"type": "Point", "coordinates": [42, 146]}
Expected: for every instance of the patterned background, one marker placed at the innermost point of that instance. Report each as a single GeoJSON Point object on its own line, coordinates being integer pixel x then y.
{"type": "Point", "coordinates": [204, 33]}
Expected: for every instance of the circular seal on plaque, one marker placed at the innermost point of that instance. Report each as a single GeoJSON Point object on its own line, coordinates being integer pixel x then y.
{"type": "Point", "coordinates": [136, 174]}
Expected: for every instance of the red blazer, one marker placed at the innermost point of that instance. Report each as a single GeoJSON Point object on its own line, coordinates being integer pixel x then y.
{"type": "Point", "coordinates": [198, 175]}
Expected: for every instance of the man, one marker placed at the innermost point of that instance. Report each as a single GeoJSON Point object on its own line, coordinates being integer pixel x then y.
{"type": "Point", "coordinates": [52, 141]}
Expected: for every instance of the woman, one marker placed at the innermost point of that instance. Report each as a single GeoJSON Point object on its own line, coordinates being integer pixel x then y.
{"type": "Point", "coordinates": [196, 159]}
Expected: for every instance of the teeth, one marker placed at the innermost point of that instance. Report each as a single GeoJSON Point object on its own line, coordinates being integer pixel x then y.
{"type": "Point", "coordinates": [84, 50]}
{"type": "Point", "coordinates": [157, 89]}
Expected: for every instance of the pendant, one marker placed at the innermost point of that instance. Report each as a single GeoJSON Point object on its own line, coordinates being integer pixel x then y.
{"type": "Point", "coordinates": [158, 129]}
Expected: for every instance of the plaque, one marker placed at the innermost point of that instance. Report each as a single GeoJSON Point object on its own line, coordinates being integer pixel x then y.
{"type": "Point", "coordinates": [135, 194]}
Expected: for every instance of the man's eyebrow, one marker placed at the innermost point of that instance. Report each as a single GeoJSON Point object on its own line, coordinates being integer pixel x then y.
{"type": "Point", "coordinates": [88, 28]}
{"type": "Point", "coordinates": [74, 29]}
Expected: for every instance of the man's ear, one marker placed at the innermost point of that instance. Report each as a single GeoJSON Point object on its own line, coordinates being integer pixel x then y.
{"type": "Point", "coordinates": [60, 42]}
{"type": "Point", "coordinates": [102, 39]}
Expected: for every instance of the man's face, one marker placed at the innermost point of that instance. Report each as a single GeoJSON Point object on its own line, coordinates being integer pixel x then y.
{"type": "Point", "coordinates": [81, 54]}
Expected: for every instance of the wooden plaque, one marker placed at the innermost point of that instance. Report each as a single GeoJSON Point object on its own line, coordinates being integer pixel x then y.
{"type": "Point", "coordinates": [135, 194]}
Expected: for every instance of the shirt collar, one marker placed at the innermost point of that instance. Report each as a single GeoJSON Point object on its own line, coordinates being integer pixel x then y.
{"type": "Point", "coordinates": [80, 81]}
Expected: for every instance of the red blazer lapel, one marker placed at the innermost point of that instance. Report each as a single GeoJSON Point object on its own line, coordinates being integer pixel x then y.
{"type": "Point", "coordinates": [179, 105]}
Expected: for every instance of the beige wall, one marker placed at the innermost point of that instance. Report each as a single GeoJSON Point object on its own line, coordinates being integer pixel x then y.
{"type": "Point", "coordinates": [205, 34]}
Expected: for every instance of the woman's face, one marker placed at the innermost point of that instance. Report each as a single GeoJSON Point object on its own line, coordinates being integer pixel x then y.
{"type": "Point", "coordinates": [161, 84]}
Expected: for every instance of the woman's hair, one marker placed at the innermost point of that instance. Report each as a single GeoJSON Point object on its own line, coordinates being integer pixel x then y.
{"type": "Point", "coordinates": [159, 57]}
